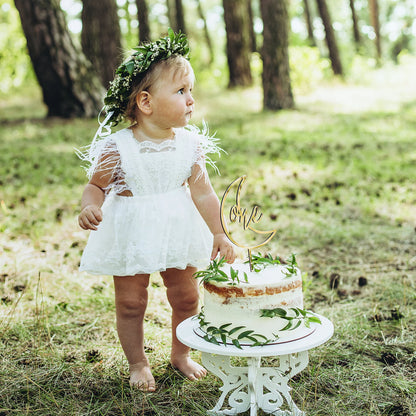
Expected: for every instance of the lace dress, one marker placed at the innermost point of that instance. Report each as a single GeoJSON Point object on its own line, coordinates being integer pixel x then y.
{"type": "Point", "coordinates": [158, 227]}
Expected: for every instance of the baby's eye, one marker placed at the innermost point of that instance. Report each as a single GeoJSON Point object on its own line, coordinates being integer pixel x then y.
{"type": "Point", "coordinates": [181, 91]}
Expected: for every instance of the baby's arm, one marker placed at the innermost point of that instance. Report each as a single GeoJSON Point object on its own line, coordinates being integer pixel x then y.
{"type": "Point", "coordinates": [91, 201]}
{"type": "Point", "coordinates": [208, 206]}
{"type": "Point", "coordinates": [93, 198]}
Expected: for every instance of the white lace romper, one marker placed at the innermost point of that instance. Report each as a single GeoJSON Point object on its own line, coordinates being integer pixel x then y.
{"type": "Point", "coordinates": [158, 227]}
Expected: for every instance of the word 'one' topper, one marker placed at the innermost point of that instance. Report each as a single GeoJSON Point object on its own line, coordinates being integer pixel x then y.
{"type": "Point", "coordinates": [245, 219]}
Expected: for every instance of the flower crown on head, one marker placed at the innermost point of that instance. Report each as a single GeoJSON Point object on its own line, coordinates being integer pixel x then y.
{"type": "Point", "coordinates": [135, 67]}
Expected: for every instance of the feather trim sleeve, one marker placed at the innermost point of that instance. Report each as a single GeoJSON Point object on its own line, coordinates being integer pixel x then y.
{"type": "Point", "coordinates": [206, 146]}
{"type": "Point", "coordinates": [103, 156]}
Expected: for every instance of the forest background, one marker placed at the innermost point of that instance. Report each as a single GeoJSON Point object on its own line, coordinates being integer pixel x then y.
{"type": "Point", "coordinates": [333, 169]}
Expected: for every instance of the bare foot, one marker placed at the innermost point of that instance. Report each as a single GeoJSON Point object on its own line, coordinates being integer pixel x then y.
{"type": "Point", "coordinates": [188, 367]}
{"type": "Point", "coordinates": [141, 377]}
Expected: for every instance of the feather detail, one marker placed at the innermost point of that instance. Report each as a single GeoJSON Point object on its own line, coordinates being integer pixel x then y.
{"type": "Point", "coordinates": [102, 156]}
{"type": "Point", "coordinates": [207, 145]}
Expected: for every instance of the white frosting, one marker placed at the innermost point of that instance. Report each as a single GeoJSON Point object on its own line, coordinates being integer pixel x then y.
{"type": "Point", "coordinates": [268, 289]}
{"type": "Point", "coordinates": [270, 276]}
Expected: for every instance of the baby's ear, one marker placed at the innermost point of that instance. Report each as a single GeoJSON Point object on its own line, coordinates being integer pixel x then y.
{"type": "Point", "coordinates": [143, 102]}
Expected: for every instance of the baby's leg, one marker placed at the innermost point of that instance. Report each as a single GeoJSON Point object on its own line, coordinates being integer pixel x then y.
{"type": "Point", "coordinates": [183, 295]}
{"type": "Point", "coordinates": [131, 303]}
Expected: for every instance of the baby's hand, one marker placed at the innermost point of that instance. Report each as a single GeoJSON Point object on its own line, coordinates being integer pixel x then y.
{"type": "Point", "coordinates": [90, 217]}
{"type": "Point", "coordinates": [223, 246]}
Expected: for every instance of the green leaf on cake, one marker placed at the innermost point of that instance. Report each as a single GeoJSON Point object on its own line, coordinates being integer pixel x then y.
{"type": "Point", "coordinates": [288, 326]}
{"type": "Point", "coordinates": [271, 313]}
{"type": "Point", "coordinates": [212, 340]}
{"type": "Point", "coordinates": [234, 330]}
{"type": "Point", "coordinates": [296, 325]}
{"type": "Point", "coordinates": [291, 268]}
{"type": "Point", "coordinates": [214, 273]}
{"type": "Point", "coordinates": [212, 329]}
{"type": "Point", "coordinates": [259, 262]}
{"type": "Point", "coordinates": [315, 319]}
{"type": "Point", "coordinates": [237, 344]}
{"type": "Point", "coordinates": [300, 315]}
{"type": "Point", "coordinates": [260, 336]}
{"type": "Point", "coordinates": [245, 334]}
{"type": "Point", "coordinates": [226, 336]}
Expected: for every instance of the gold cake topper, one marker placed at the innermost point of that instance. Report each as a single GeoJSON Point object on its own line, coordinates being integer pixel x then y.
{"type": "Point", "coordinates": [241, 215]}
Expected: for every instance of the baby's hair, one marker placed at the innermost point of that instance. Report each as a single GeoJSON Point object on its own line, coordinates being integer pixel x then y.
{"type": "Point", "coordinates": [175, 62]}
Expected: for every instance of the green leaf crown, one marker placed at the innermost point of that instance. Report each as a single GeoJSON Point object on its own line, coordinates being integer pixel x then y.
{"type": "Point", "coordinates": [135, 67]}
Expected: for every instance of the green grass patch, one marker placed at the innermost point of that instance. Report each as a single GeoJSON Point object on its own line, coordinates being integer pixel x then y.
{"type": "Point", "coordinates": [336, 180]}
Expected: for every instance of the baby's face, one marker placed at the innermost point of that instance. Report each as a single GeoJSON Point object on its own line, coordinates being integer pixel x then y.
{"type": "Point", "coordinates": [171, 97]}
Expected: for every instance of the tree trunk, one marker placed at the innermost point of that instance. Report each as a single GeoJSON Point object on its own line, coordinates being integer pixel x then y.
{"type": "Point", "coordinates": [206, 32]}
{"type": "Point", "coordinates": [309, 25]}
{"type": "Point", "coordinates": [100, 37]}
{"type": "Point", "coordinates": [69, 83]}
{"type": "Point", "coordinates": [330, 37]}
{"type": "Point", "coordinates": [238, 42]}
{"type": "Point", "coordinates": [170, 5]}
{"type": "Point", "coordinates": [180, 17]}
{"type": "Point", "coordinates": [356, 31]}
{"type": "Point", "coordinates": [277, 90]}
{"type": "Point", "coordinates": [252, 33]}
{"type": "Point", "coordinates": [143, 18]}
{"type": "Point", "coordinates": [127, 20]}
{"type": "Point", "coordinates": [176, 15]}
{"type": "Point", "coordinates": [375, 22]}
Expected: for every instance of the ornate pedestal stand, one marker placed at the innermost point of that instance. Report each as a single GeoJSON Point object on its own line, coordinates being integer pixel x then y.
{"type": "Point", "coordinates": [255, 387]}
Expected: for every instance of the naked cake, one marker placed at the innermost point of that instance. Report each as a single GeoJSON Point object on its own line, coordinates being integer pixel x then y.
{"type": "Point", "coordinates": [255, 307]}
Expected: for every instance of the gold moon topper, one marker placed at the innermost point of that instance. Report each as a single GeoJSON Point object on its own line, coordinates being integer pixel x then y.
{"type": "Point", "coordinates": [241, 215]}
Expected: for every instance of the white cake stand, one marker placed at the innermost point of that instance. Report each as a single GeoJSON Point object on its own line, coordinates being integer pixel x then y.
{"type": "Point", "coordinates": [255, 387]}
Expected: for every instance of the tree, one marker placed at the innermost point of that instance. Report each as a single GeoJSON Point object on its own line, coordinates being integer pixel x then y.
{"type": "Point", "coordinates": [375, 22]}
{"type": "Point", "coordinates": [180, 17]}
{"type": "Point", "coordinates": [277, 90]}
{"type": "Point", "coordinates": [176, 15]}
{"type": "Point", "coordinates": [100, 37]}
{"type": "Point", "coordinates": [252, 33]}
{"type": "Point", "coordinates": [238, 42]}
{"type": "Point", "coordinates": [330, 37]}
{"type": "Point", "coordinates": [143, 18]}
{"type": "Point", "coordinates": [206, 32]}
{"type": "Point", "coordinates": [356, 31]}
{"type": "Point", "coordinates": [69, 83]}
{"type": "Point", "coordinates": [309, 26]}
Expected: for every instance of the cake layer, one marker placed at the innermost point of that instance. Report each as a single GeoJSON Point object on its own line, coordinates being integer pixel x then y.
{"type": "Point", "coordinates": [241, 303]}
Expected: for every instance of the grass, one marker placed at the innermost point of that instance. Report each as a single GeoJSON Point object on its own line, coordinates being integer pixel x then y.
{"type": "Point", "coordinates": [335, 176]}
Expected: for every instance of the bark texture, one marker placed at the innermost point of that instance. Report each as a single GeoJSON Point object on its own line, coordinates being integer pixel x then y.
{"type": "Point", "coordinates": [330, 37]}
{"type": "Point", "coordinates": [238, 42]}
{"type": "Point", "coordinates": [355, 30]}
{"type": "Point", "coordinates": [69, 84]}
{"type": "Point", "coordinates": [100, 37]}
{"type": "Point", "coordinates": [143, 18]}
{"type": "Point", "coordinates": [180, 17]}
{"type": "Point", "coordinates": [308, 20]}
{"type": "Point", "coordinates": [207, 36]}
{"type": "Point", "coordinates": [375, 22]}
{"type": "Point", "coordinates": [277, 90]}
{"type": "Point", "coordinates": [176, 15]}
